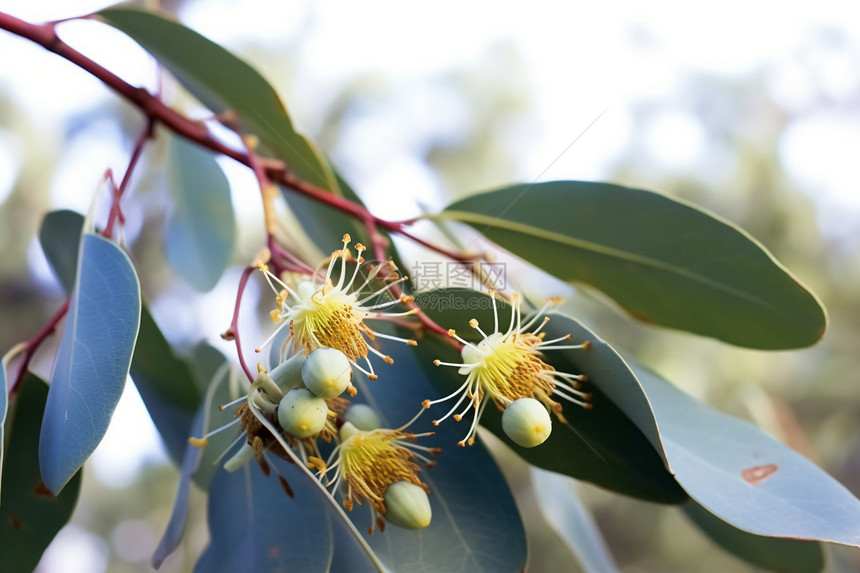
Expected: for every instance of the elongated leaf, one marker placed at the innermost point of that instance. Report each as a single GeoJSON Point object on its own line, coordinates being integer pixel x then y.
{"type": "Point", "coordinates": [4, 404]}
{"type": "Point", "coordinates": [165, 384]}
{"type": "Point", "coordinates": [178, 516]}
{"type": "Point", "coordinates": [663, 261]}
{"type": "Point", "coordinates": [745, 477]}
{"type": "Point", "coordinates": [770, 553]}
{"type": "Point", "coordinates": [92, 361]}
{"type": "Point", "coordinates": [60, 236]}
{"type": "Point", "coordinates": [475, 526]}
{"type": "Point", "coordinates": [614, 445]}
{"type": "Point", "coordinates": [571, 520]}
{"type": "Point", "coordinates": [201, 230]}
{"type": "Point", "coordinates": [256, 526]}
{"type": "Point", "coordinates": [223, 82]}
{"type": "Point", "coordinates": [164, 381]}
{"type": "Point", "coordinates": [30, 516]}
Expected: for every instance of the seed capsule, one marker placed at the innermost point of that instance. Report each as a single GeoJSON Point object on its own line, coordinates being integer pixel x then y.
{"type": "Point", "coordinates": [527, 422]}
{"type": "Point", "coordinates": [301, 413]}
{"type": "Point", "coordinates": [327, 372]}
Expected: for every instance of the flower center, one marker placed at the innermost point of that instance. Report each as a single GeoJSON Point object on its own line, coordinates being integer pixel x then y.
{"type": "Point", "coordinates": [328, 317]}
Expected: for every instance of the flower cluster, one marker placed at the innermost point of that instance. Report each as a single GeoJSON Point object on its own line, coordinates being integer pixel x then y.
{"type": "Point", "coordinates": [506, 367]}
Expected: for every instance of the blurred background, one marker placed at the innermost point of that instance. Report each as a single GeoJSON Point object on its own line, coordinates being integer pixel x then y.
{"type": "Point", "coordinates": [749, 109]}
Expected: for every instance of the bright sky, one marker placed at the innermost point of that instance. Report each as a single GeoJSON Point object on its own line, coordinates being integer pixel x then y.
{"type": "Point", "coordinates": [579, 60]}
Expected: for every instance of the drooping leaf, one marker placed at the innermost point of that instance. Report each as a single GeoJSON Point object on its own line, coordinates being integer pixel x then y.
{"type": "Point", "coordinates": [614, 445]}
{"type": "Point", "coordinates": [60, 236]}
{"type": "Point", "coordinates": [92, 361]}
{"type": "Point", "coordinates": [746, 478]}
{"type": "Point", "coordinates": [163, 380]}
{"type": "Point", "coordinates": [770, 553]}
{"type": "Point", "coordinates": [475, 525]}
{"type": "Point", "coordinates": [4, 404]}
{"type": "Point", "coordinates": [223, 82]}
{"type": "Point", "coordinates": [564, 511]}
{"type": "Point", "coordinates": [30, 516]}
{"type": "Point", "coordinates": [663, 261]}
{"type": "Point", "coordinates": [201, 230]}
{"type": "Point", "coordinates": [165, 383]}
{"type": "Point", "coordinates": [178, 516]}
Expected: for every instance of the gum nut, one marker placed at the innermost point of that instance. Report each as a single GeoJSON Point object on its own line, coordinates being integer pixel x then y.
{"type": "Point", "coordinates": [407, 505]}
{"type": "Point", "coordinates": [527, 422]}
{"type": "Point", "coordinates": [302, 414]}
{"type": "Point", "coordinates": [245, 454]}
{"type": "Point", "coordinates": [362, 417]}
{"type": "Point", "coordinates": [327, 372]}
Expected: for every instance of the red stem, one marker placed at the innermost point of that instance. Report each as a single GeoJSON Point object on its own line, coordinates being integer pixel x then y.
{"type": "Point", "coordinates": [233, 332]}
{"type": "Point", "coordinates": [139, 144]}
{"type": "Point", "coordinates": [33, 344]}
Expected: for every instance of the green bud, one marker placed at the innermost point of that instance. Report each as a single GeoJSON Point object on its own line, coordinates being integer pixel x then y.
{"type": "Point", "coordinates": [527, 422]}
{"type": "Point", "coordinates": [407, 505]}
{"type": "Point", "coordinates": [363, 417]}
{"type": "Point", "coordinates": [327, 372]}
{"type": "Point", "coordinates": [302, 414]}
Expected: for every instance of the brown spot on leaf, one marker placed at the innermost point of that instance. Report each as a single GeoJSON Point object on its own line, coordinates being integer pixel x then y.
{"type": "Point", "coordinates": [15, 522]}
{"type": "Point", "coordinates": [756, 474]}
{"type": "Point", "coordinates": [42, 491]}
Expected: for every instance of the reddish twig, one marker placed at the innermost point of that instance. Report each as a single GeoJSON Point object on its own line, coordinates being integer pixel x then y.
{"type": "Point", "coordinates": [30, 347]}
{"type": "Point", "coordinates": [232, 333]}
{"type": "Point", "coordinates": [118, 191]}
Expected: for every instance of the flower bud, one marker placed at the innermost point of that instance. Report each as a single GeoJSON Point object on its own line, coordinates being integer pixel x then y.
{"type": "Point", "coordinates": [302, 414]}
{"type": "Point", "coordinates": [327, 372]}
{"type": "Point", "coordinates": [527, 422]}
{"type": "Point", "coordinates": [407, 505]}
{"type": "Point", "coordinates": [362, 417]}
{"type": "Point", "coordinates": [245, 454]}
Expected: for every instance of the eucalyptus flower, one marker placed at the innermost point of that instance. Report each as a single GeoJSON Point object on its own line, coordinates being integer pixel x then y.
{"type": "Point", "coordinates": [506, 366]}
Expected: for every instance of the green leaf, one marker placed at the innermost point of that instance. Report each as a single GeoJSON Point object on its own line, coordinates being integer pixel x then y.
{"type": "Point", "coordinates": [60, 236]}
{"type": "Point", "coordinates": [166, 385]}
{"type": "Point", "coordinates": [223, 82]}
{"type": "Point", "coordinates": [614, 445]}
{"type": "Point", "coordinates": [4, 406]}
{"type": "Point", "coordinates": [745, 477]}
{"type": "Point", "coordinates": [560, 504]}
{"type": "Point", "coordinates": [663, 261]}
{"type": "Point", "coordinates": [770, 553]}
{"type": "Point", "coordinates": [30, 516]}
{"type": "Point", "coordinates": [201, 230]}
{"type": "Point", "coordinates": [92, 361]}
{"type": "Point", "coordinates": [256, 526]}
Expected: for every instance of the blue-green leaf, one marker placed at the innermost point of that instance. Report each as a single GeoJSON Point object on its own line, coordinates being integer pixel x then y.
{"type": "Point", "coordinates": [201, 230]}
{"type": "Point", "coordinates": [92, 361]}
{"type": "Point", "coordinates": [770, 553]}
{"type": "Point", "coordinates": [30, 516]}
{"type": "Point", "coordinates": [745, 477]}
{"type": "Point", "coordinates": [567, 515]}
{"type": "Point", "coordinates": [476, 525]}
{"type": "Point", "coordinates": [663, 261]}
{"type": "Point", "coordinates": [256, 526]}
